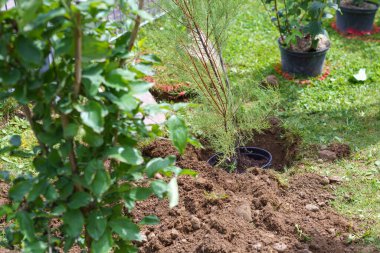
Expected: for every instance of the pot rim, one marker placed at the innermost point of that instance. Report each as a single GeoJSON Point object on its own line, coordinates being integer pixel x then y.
{"type": "Point", "coordinates": [359, 11]}
{"type": "Point", "coordinates": [303, 54]}
{"type": "Point", "coordinates": [246, 149]}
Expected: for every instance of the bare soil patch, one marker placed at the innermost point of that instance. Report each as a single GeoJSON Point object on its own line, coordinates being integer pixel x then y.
{"type": "Point", "coordinates": [282, 144]}
{"type": "Point", "coordinates": [252, 212]}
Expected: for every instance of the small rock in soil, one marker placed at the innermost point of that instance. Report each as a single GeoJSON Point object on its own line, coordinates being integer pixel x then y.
{"type": "Point", "coordinates": [151, 236]}
{"type": "Point", "coordinates": [321, 204]}
{"type": "Point", "coordinates": [335, 179]}
{"type": "Point", "coordinates": [305, 251]}
{"type": "Point", "coordinates": [174, 233]}
{"type": "Point", "coordinates": [327, 155]}
{"type": "Point", "coordinates": [271, 81]}
{"type": "Point", "coordinates": [325, 181]}
{"type": "Point", "coordinates": [280, 247]}
{"type": "Point", "coordinates": [195, 222]}
{"type": "Point", "coordinates": [144, 239]}
{"type": "Point", "coordinates": [257, 246]}
{"type": "Point", "coordinates": [166, 238]}
{"type": "Point", "coordinates": [312, 207]}
{"type": "Point", "coordinates": [314, 246]}
{"type": "Point", "coordinates": [244, 211]}
{"type": "Point", "coordinates": [331, 231]}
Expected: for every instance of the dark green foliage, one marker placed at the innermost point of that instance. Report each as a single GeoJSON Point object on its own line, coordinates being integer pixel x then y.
{"type": "Point", "coordinates": [87, 123]}
{"type": "Point", "coordinates": [297, 19]}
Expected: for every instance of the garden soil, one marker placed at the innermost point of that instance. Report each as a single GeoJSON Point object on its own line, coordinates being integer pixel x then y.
{"type": "Point", "coordinates": [220, 212]}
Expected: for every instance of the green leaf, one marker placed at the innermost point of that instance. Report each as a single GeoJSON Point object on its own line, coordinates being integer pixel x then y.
{"type": "Point", "coordinates": [150, 220]}
{"type": "Point", "coordinates": [19, 190]}
{"type": "Point", "coordinates": [27, 51]}
{"type": "Point", "coordinates": [159, 188]}
{"type": "Point", "coordinates": [140, 193]}
{"type": "Point", "coordinates": [126, 103]}
{"type": "Point", "coordinates": [101, 183]}
{"type": "Point", "coordinates": [28, 10]}
{"type": "Point", "coordinates": [51, 194]}
{"type": "Point", "coordinates": [129, 203]}
{"type": "Point", "coordinates": [126, 229]}
{"type": "Point", "coordinates": [103, 245]}
{"type": "Point", "coordinates": [59, 210]}
{"type": "Point", "coordinates": [90, 170]}
{"type": "Point", "coordinates": [5, 175]}
{"type": "Point", "coordinates": [95, 49]}
{"type": "Point", "coordinates": [74, 221]}
{"type": "Point", "coordinates": [139, 87]}
{"type": "Point", "coordinates": [178, 133]}
{"type": "Point", "coordinates": [92, 79]}
{"type": "Point", "coordinates": [151, 58]}
{"type": "Point", "coordinates": [15, 140]}
{"type": "Point", "coordinates": [157, 164]}
{"type": "Point", "coordinates": [79, 199]}
{"type": "Point", "coordinates": [10, 77]}
{"type": "Point", "coordinates": [92, 115]}
{"type": "Point", "coordinates": [70, 131]}
{"type": "Point", "coordinates": [37, 190]}
{"type": "Point", "coordinates": [119, 79]}
{"type": "Point", "coordinates": [126, 155]}
{"type": "Point", "coordinates": [45, 17]}
{"type": "Point", "coordinates": [93, 139]}
{"type": "Point", "coordinates": [26, 224]}
{"type": "Point", "coordinates": [96, 224]}
{"type": "Point", "coordinates": [35, 247]}
{"type": "Point", "coordinates": [173, 194]}
{"type": "Point", "coordinates": [188, 172]}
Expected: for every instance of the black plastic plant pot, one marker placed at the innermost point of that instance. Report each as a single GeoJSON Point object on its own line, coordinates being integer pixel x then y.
{"type": "Point", "coordinates": [350, 20]}
{"type": "Point", "coordinates": [253, 153]}
{"type": "Point", "coordinates": [302, 63]}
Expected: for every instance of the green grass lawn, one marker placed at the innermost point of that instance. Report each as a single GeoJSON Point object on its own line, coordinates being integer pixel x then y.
{"type": "Point", "coordinates": [336, 109]}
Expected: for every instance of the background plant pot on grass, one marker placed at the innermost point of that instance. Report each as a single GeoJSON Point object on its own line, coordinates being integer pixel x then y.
{"type": "Point", "coordinates": [302, 63]}
{"type": "Point", "coordinates": [246, 157]}
{"type": "Point", "coordinates": [356, 20]}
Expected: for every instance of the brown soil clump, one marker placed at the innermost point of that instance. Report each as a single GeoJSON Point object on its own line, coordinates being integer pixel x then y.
{"type": "Point", "coordinates": [252, 212]}
{"type": "Point", "coordinates": [340, 149]}
{"type": "Point", "coordinates": [364, 6]}
{"type": "Point", "coordinates": [4, 188]}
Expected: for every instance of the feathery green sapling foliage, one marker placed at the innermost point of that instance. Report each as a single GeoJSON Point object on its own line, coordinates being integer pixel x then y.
{"type": "Point", "coordinates": [81, 107]}
{"type": "Point", "coordinates": [225, 116]}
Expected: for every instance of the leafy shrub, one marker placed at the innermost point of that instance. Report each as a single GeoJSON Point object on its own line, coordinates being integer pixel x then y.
{"type": "Point", "coordinates": [82, 109]}
{"type": "Point", "coordinates": [298, 19]}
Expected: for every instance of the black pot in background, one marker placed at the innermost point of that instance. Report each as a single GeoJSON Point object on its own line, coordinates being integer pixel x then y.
{"type": "Point", "coordinates": [302, 63]}
{"type": "Point", "coordinates": [252, 152]}
{"type": "Point", "coordinates": [355, 20]}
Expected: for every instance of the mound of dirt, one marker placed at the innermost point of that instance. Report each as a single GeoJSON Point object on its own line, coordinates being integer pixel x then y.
{"type": "Point", "coordinates": [252, 212]}
{"type": "Point", "coordinates": [340, 149]}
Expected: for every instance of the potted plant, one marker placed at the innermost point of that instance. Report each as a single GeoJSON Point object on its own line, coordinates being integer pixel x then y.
{"type": "Point", "coordinates": [303, 40]}
{"type": "Point", "coordinates": [225, 115]}
{"type": "Point", "coordinates": [356, 16]}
